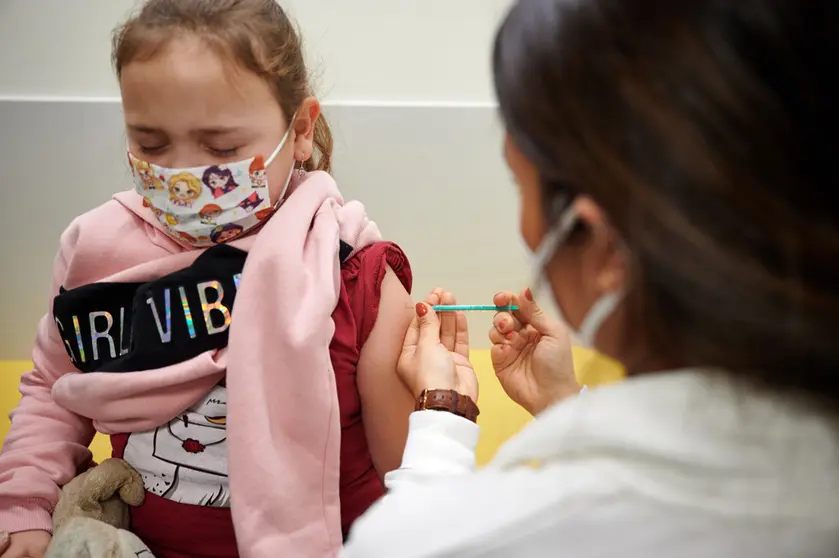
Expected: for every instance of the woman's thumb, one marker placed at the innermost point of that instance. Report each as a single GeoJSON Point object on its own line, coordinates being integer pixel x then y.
{"type": "Point", "coordinates": [539, 319]}
{"type": "Point", "coordinates": [429, 324]}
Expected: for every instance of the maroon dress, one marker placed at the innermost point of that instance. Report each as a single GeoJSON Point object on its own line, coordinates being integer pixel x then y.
{"type": "Point", "coordinates": [176, 530]}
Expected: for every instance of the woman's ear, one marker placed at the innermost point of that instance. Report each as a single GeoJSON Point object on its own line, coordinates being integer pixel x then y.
{"type": "Point", "coordinates": [605, 256]}
{"type": "Point", "coordinates": [304, 128]}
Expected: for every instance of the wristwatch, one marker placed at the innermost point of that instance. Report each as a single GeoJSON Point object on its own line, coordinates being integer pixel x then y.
{"type": "Point", "coordinates": [448, 400]}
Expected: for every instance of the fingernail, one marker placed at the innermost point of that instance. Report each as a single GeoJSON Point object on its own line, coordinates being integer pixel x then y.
{"type": "Point", "coordinates": [510, 336]}
{"type": "Point", "coordinates": [4, 537]}
{"type": "Point", "coordinates": [422, 309]}
{"type": "Point", "coordinates": [528, 294]}
{"type": "Point", "coordinates": [502, 324]}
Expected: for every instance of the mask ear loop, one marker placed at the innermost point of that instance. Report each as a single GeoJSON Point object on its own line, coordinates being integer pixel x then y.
{"type": "Point", "coordinates": [553, 240]}
{"type": "Point", "coordinates": [282, 141]}
{"type": "Point", "coordinates": [276, 152]}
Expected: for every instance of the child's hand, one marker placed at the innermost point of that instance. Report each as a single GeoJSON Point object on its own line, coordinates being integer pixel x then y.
{"type": "Point", "coordinates": [26, 544]}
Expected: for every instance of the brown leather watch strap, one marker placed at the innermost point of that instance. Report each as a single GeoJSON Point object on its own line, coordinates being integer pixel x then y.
{"type": "Point", "coordinates": [448, 400]}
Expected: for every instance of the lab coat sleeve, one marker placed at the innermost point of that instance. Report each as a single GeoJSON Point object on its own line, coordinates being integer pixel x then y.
{"type": "Point", "coordinates": [437, 506]}
{"type": "Point", "coordinates": [439, 444]}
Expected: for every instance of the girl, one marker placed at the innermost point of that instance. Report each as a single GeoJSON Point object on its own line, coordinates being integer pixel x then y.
{"type": "Point", "coordinates": [258, 373]}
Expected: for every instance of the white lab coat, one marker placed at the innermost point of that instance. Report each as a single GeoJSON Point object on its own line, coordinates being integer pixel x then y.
{"type": "Point", "coordinates": [677, 465]}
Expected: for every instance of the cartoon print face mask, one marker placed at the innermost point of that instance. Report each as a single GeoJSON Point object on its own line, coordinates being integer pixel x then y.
{"type": "Point", "coordinates": [203, 206]}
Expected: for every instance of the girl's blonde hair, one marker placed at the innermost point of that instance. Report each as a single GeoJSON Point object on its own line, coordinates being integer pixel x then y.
{"type": "Point", "coordinates": [255, 34]}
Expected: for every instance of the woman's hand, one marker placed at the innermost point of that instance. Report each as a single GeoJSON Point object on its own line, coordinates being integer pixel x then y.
{"type": "Point", "coordinates": [435, 354]}
{"type": "Point", "coordinates": [531, 354]}
{"type": "Point", "coordinates": [25, 544]}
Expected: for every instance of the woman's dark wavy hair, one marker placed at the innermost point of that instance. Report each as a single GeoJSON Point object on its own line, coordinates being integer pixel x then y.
{"type": "Point", "coordinates": [706, 130]}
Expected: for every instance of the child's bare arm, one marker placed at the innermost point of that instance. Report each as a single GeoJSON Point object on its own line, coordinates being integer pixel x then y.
{"type": "Point", "coordinates": [385, 401]}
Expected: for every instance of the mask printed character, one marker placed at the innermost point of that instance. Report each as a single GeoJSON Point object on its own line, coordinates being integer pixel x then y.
{"type": "Point", "coordinates": [146, 173]}
{"type": "Point", "coordinates": [184, 189]}
{"type": "Point", "coordinates": [257, 173]}
{"type": "Point", "coordinates": [172, 219]}
{"type": "Point", "coordinates": [226, 233]}
{"type": "Point", "coordinates": [219, 179]}
{"type": "Point", "coordinates": [209, 213]}
{"type": "Point", "coordinates": [251, 202]}
{"type": "Point", "coordinates": [186, 237]}
{"type": "Point", "coordinates": [263, 214]}
{"type": "Point", "coordinates": [146, 202]}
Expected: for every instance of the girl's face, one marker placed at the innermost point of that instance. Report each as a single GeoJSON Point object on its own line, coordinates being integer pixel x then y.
{"type": "Point", "coordinates": [186, 106]}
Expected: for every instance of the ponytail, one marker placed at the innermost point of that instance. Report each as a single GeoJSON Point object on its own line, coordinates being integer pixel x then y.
{"type": "Point", "coordinates": [323, 147]}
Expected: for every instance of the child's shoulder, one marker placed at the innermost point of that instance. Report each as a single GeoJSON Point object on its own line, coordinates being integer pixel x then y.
{"type": "Point", "coordinates": [103, 241]}
{"type": "Point", "coordinates": [108, 222]}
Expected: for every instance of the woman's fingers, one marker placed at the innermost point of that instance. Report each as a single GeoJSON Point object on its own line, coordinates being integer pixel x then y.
{"type": "Point", "coordinates": [506, 322]}
{"type": "Point", "coordinates": [496, 337]}
{"type": "Point", "coordinates": [529, 313]}
{"type": "Point", "coordinates": [434, 297]}
{"type": "Point", "coordinates": [516, 339]}
{"type": "Point", "coordinates": [461, 344]}
{"type": "Point", "coordinates": [504, 298]}
{"type": "Point", "coordinates": [448, 322]}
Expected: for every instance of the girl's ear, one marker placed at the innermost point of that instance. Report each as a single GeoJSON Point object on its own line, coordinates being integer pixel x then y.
{"type": "Point", "coordinates": [304, 128]}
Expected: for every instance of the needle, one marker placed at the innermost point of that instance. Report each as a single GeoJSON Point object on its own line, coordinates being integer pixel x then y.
{"type": "Point", "coordinates": [472, 308]}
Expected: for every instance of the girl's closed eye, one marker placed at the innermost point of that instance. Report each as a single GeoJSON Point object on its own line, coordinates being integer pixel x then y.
{"type": "Point", "coordinates": [223, 151]}
{"type": "Point", "coordinates": [152, 149]}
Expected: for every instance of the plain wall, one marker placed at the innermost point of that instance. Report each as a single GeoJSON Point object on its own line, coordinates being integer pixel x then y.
{"type": "Point", "coordinates": [359, 50]}
{"type": "Point", "coordinates": [408, 93]}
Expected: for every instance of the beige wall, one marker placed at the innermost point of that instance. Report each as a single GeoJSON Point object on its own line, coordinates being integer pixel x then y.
{"type": "Point", "coordinates": [362, 50]}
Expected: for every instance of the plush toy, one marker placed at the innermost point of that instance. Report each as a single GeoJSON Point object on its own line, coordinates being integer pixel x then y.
{"type": "Point", "coordinates": [92, 515]}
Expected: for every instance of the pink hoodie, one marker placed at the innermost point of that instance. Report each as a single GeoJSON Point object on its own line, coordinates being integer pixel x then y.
{"type": "Point", "coordinates": [283, 452]}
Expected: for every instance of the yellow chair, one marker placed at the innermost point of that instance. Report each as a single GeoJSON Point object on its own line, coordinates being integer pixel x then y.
{"type": "Point", "coordinates": [500, 418]}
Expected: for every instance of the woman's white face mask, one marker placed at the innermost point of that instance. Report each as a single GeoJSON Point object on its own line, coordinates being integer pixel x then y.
{"type": "Point", "coordinates": [602, 308]}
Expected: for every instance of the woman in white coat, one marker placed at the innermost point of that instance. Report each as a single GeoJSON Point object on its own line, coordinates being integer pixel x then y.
{"type": "Point", "coordinates": [677, 164]}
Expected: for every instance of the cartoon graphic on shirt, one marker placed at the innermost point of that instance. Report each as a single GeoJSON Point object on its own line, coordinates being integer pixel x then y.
{"type": "Point", "coordinates": [172, 219]}
{"type": "Point", "coordinates": [184, 189]}
{"type": "Point", "coordinates": [146, 173]}
{"type": "Point", "coordinates": [226, 233]}
{"type": "Point", "coordinates": [209, 213]}
{"type": "Point", "coordinates": [219, 179]}
{"type": "Point", "coordinates": [257, 172]}
{"type": "Point", "coordinates": [186, 460]}
{"type": "Point", "coordinates": [251, 202]}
